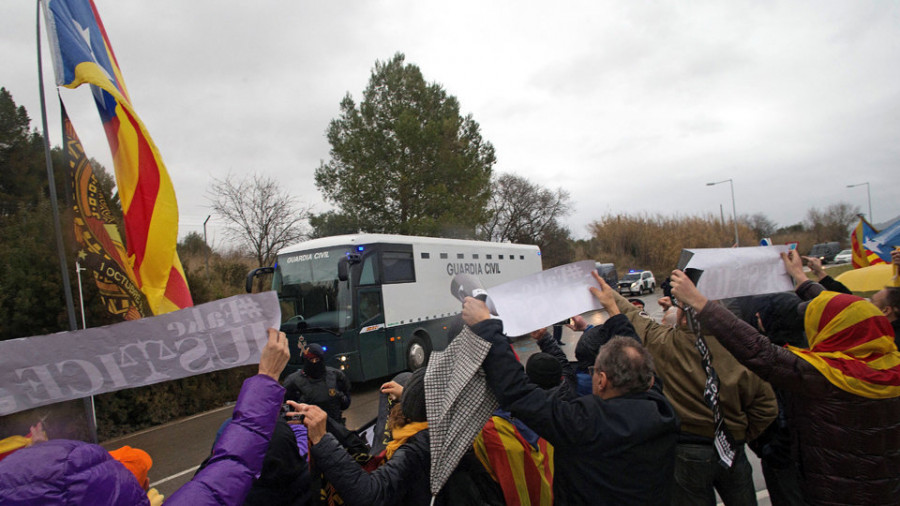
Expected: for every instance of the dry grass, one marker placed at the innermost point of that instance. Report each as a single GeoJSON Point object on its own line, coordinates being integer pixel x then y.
{"type": "Point", "coordinates": [655, 242]}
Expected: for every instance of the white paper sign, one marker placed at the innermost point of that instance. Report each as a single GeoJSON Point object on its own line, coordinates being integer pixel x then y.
{"type": "Point", "coordinates": [544, 298]}
{"type": "Point", "coordinates": [40, 370]}
{"type": "Point", "coordinates": [736, 272]}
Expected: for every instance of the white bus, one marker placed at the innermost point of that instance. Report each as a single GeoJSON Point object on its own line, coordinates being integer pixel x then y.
{"type": "Point", "coordinates": [379, 304]}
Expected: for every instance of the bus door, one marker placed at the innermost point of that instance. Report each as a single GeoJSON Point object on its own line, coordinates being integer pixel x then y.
{"type": "Point", "coordinates": [374, 346]}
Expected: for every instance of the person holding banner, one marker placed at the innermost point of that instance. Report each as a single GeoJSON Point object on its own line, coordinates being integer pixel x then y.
{"type": "Point", "coordinates": [616, 446]}
{"type": "Point", "coordinates": [746, 405]}
{"type": "Point", "coordinates": [62, 471]}
{"type": "Point", "coordinates": [842, 393]}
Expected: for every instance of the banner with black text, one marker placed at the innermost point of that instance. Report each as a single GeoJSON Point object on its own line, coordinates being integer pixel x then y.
{"type": "Point", "coordinates": [40, 370]}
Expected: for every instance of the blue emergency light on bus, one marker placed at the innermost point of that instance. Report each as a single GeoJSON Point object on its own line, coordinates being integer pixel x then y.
{"type": "Point", "coordinates": [360, 248]}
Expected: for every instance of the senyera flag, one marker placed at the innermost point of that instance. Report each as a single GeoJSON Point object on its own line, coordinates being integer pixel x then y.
{"type": "Point", "coordinates": [102, 251]}
{"type": "Point", "coordinates": [82, 54]}
{"type": "Point", "coordinates": [860, 240]}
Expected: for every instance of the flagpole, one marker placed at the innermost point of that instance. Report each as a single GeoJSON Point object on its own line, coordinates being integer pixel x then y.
{"type": "Point", "coordinates": [60, 248]}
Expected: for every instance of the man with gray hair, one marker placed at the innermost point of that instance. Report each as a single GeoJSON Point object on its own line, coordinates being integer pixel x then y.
{"type": "Point", "coordinates": [616, 446]}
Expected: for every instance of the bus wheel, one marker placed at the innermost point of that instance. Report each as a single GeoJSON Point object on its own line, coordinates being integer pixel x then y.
{"type": "Point", "coordinates": [418, 352]}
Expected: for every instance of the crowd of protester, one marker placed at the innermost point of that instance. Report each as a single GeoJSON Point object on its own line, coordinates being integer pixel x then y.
{"type": "Point", "coordinates": [650, 413]}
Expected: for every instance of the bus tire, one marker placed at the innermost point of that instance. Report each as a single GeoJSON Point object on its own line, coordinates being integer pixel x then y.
{"type": "Point", "coordinates": [418, 352]}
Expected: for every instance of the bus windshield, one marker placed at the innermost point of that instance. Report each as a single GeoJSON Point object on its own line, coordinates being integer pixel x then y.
{"type": "Point", "coordinates": [309, 290]}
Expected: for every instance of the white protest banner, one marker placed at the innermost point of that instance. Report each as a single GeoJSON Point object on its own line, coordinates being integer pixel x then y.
{"type": "Point", "coordinates": [736, 272]}
{"type": "Point", "coordinates": [544, 298]}
{"type": "Point", "coordinates": [40, 370]}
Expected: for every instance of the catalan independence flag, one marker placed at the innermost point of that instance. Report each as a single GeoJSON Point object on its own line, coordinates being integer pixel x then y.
{"type": "Point", "coordinates": [102, 250]}
{"type": "Point", "coordinates": [852, 344]}
{"type": "Point", "coordinates": [82, 54]}
{"type": "Point", "coordinates": [862, 255]}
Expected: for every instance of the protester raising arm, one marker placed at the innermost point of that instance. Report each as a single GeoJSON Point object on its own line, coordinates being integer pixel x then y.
{"type": "Point", "coordinates": [237, 456]}
{"type": "Point", "coordinates": [829, 283]}
{"type": "Point", "coordinates": [774, 364]}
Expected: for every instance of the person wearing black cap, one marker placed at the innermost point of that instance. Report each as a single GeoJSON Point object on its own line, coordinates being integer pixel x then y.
{"type": "Point", "coordinates": [318, 384]}
{"type": "Point", "coordinates": [544, 370]}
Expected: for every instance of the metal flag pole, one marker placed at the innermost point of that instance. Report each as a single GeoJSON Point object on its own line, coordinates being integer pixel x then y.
{"type": "Point", "coordinates": [60, 248]}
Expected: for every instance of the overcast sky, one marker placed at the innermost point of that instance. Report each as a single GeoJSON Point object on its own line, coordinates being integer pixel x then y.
{"type": "Point", "coordinates": [630, 106]}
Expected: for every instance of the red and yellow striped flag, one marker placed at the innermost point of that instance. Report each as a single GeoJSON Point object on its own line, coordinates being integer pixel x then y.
{"type": "Point", "coordinates": [852, 344]}
{"type": "Point", "coordinates": [82, 54]}
{"type": "Point", "coordinates": [524, 472]}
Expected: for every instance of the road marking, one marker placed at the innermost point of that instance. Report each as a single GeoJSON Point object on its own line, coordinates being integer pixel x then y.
{"type": "Point", "coordinates": [176, 475]}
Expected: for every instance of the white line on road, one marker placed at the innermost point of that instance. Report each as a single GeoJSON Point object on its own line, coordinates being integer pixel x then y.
{"type": "Point", "coordinates": [176, 475]}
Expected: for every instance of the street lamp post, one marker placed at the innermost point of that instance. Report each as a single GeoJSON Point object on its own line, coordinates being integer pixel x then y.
{"type": "Point", "coordinates": [78, 269]}
{"type": "Point", "coordinates": [868, 194]}
{"type": "Point", "coordinates": [733, 207]}
{"type": "Point", "coordinates": [207, 248]}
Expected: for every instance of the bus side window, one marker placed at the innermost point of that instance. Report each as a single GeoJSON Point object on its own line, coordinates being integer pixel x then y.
{"type": "Point", "coordinates": [397, 267]}
{"type": "Point", "coordinates": [367, 277]}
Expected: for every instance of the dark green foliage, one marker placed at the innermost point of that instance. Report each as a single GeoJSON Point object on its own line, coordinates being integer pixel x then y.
{"type": "Point", "coordinates": [23, 173]}
{"type": "Point", "coordinates": [404, 161]}
{"type": "Point", "coordinates": [332, 223]}
{"type": "Point", "coordinates": [31, 300]}
{"type": "Point", "coordinates": [126, 411]}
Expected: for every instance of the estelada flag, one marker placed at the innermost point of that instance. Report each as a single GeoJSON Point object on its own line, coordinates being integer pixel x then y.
{"type": "Point", "coordinates": [862, 255]}
{"type": "Point", "coordinates": [102, 251]}
{"type": "Point", "coordinates": [82, 54]}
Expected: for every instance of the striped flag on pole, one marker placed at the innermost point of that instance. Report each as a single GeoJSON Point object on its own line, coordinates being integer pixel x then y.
{"type": "Point", "coordinates": [862, 255]}
{"type": "Point", "coordinates": [82, 53]}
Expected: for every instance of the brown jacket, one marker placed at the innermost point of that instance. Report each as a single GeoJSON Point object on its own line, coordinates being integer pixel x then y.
{"type": "Point", "coordinates": [747, 402]}
{"type": "Point", "coordinates": [847, 447]}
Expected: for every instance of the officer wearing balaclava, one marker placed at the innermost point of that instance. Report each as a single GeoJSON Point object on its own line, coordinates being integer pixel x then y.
{"type": "Point", "coordinates": [318, 384]}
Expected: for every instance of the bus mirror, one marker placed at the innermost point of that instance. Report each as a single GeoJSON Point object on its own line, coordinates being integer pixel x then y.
{"type": "Point", "coordinates": [343, 269]}
{"type": "Point", "coordinates": [254, 273]}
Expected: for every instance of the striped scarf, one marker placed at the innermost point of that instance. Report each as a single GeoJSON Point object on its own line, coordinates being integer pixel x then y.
{"type": "Point", "coordinates": [852, 344]}
{"type": "Point", "coordinates": [401, 434]}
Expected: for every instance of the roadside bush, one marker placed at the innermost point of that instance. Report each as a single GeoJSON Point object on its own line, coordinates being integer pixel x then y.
{"type": "Point", "coordinates": [126, 411]}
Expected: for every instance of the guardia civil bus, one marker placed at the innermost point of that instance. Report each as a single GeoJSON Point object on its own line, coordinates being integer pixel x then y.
{"type": "Point", "coordinates": [380, 304]}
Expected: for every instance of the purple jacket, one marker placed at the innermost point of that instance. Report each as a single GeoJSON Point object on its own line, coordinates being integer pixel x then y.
{"type": "Point", "coordinates": [74, 472]}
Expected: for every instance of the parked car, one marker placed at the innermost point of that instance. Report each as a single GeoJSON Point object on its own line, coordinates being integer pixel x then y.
{"type": "Point", "coordinates": [608, 273]}
{"type": "Point", "coordinates": [637, 282]}
{"type": "Point", "coordinates": [843, 257]}
{"type": "Point", "coordinates": [825, 251]}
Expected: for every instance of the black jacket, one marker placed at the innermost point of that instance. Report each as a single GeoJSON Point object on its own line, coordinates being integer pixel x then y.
{"type": "Point", "coordinates": [331, 392]}
{"type": "Point", "coordinates": [405, 478]}
{"type": "Point", "coordinates": [595, 337]}
{"type": "Point", "coordinates": [615, 451]}
{"type": "Point", "coordinates": [847, 447]}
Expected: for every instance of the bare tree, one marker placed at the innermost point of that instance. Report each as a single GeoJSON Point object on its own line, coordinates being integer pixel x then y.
{"type": "Point", "coordinates": [525, 212]}
{"type": "Point", "coordinates": [832, 223]}
{"type": "Point", "coordinates": [261, 216]}
{"type": "Point", "coordinates": [760, 224]}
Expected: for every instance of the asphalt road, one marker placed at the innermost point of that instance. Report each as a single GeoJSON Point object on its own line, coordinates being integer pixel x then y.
{"type": "Point", "coordinates": [178, 448]}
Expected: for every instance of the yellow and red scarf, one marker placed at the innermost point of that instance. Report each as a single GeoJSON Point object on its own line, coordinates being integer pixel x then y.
{"type": "Point", "coordinates": [852, 344]}
{"type": "Point", "coordinates": [401, 434]}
